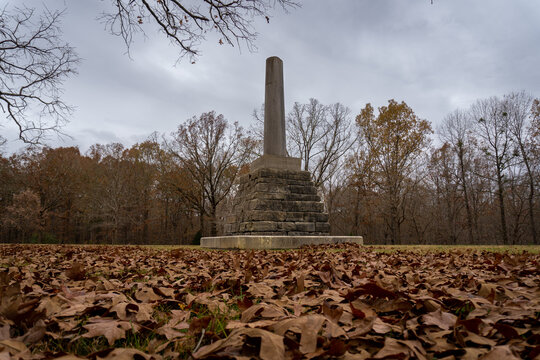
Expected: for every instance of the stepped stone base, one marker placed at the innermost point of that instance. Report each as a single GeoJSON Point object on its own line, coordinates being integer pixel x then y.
{"type": "Point", "coordinates": [277, 201]}
{"type": "Point", "coordinates": [274, 242]}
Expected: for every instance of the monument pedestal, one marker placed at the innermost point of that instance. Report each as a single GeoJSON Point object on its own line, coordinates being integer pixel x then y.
{"type": "Point", "coordinates": [277, 205]}
{"type": "Point", "coordinates": [273, 201]}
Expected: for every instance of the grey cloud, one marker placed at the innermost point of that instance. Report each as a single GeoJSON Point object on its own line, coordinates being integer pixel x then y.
{"type": "Point", "coordinates": [435, 57]}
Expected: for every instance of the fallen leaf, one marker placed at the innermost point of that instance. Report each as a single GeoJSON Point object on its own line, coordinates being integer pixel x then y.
{"type": "Point", "coordinates": [271, 344]}
{"type": "Point", "coordinates": [262, 310]}
{"type": "Point", "coordinates": [111, 329]}
{"type": "Point", "coordinates": [308, 326]}
{"type": "Point", "coordinates": [441, 319]}
{"type": "Point", "coordinates": [500, 352]}
{"type": "Point", "coordinates": [76, 272]}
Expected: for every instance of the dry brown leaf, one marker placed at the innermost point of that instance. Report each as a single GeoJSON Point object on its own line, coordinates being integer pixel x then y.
{"type": "Point", "coordinates": [262, 310]}
{"type": "Point", "coordinates": [360, 354]}
{"type": "Point", "coordinates": [13, 346]}
{"type": "Point", "coordinates": [401, 349]}
{"type": "Point", "coordinates": [404, 295]}
{"type": "Point", "coordinates": [4, 331]}
{"type": "Point", "coordinates": [474, 339]}
{"type": "Point", "coordinates": [147, 295]}
{"type": "Point", "coordinates": [260, 290]}
{"type": "Point", "coordinates": [441, 319]}
{"type": "Point", "coordinates": [271, 344]}
{"type": "Point", "coordinates": [170, 332]}
{"type": "Point", "coordinates": [500, 352]}
{"type": "Point", "coordinates": [307, 326]}
{"type": "Point", "coordinates": [381, 327]}
{"type": "Point", "coordinates": [111, 329]}
{"type": "Point", "coordinates": [76, 272]}
{"type": "Point", "coordinates": [125, 354]}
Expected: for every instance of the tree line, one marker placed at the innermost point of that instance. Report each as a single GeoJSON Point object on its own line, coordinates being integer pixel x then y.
{"type": "Point", "coordinates": [385, 174]}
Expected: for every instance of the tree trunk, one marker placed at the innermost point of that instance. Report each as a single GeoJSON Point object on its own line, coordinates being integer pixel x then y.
{"type": "Point", "coordinates": [201, 221]}
{"type": "Point", "coordinates": [213, 221]}
{"type": "Point", "coordinates": [466, 197]}
{"type": "Point", "coordinates": [531, 193]}
{"type": "Point", "coordinates": [145, 226]}
{"type": "Point", "coordinates": [395, 225]}
{"type": "Point", "coordinates": [357, 211]}
{"type": "Point", "coordinates": [500, 195]}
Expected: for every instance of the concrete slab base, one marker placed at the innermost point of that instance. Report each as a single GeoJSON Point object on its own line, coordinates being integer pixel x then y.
{"type": "Point", "coordinates": [273, 241]}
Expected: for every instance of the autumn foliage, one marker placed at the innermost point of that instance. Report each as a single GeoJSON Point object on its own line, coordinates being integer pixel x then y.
{"type": "Point", "coordinates": [346, 302]}
{"type": "Point", "coordinates": [387, 175]}
{"type": "Point", "coordinates": [150, 193]}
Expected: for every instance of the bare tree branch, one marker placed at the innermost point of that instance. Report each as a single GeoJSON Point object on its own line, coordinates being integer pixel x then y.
{"type": "Point", "coordinates": [34, 63]}
{"type": "Point", "coordinates": [321, 136]}
{"type": "Point", "coordinates": [187, 23]}
{"type": "Point", "coordinates": [213, 153]}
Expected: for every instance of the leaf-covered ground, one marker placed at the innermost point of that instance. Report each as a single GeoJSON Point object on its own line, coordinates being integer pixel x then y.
{"type": "Point", "coordinates": [346, 302]}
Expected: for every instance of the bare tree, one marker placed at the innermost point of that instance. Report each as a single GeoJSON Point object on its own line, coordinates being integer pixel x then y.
{"type": "Point", "coordinates": [338, 138]}
{"type": "Point", "coordinates": [187, 23]}
{"type": "Point", "coordinates": [493, 129]}
{"type": "Point", "coordinates": [321, 136]}
{"type": "Point", "coordinates": [213, 153]}
{"type": "Point", "coordinates": [34, 63]}
{"type": "Point", "coordinates": [305, 129]}
{"type": "Point", "coordinates": [456, 131]}
{"type": "Point", "coordinates": [445, 181]}
{"type": "Point", "coordinates": [519, 107]}
{"type": "Point", "coordinates": [256, 130]}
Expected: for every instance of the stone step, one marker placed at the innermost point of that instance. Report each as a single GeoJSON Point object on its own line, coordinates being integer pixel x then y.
{"type": "Point", "coordinates": [280, 174]}
{"type": "Point", "coordinates": [282, 196]}
{"type": "Point", "coordinates": [284, 205]}
{"type": "Point", "coordinates": [273, 215]}
{"type": "Point", "coordinates": [283, 181]}
{"type": "Point", "coordinates": [279, 188]}
{"type": "Point", "coordinates": [277, 226]}
{"type": "Point", "coordinates": [277, 202]}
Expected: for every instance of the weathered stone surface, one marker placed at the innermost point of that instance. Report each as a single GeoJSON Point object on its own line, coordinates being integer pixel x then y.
{"type": "Point", "coordinates": [277, 202]}
{"type": "Point", "coordinates": [278, 173]}
{"type": "Point", "coordinates": [269, 241]}
{"type": "Point", "coordinates": [315, 217]}
{"type": "Point", "coordinates": [274, 109]}
{"type": "Point", "coordinates": [268, 161]}
{"type": "Point", "coordinates": [276, 197]}
{"type": "Point", "coordinates": [322, 227]}
{"type": "Point", "coordinates": [256, 226]}
{"type": "Point", "coordinates": [295, 216]}
{"type": "Point", "coordinates": [305, 227]}
{"type": "Point", "coordinates": [269, 215]}
{"type": "Point", "coordinates": [298, 189]}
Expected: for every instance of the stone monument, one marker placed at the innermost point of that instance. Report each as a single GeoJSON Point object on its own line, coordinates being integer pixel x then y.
{"type": "Point", "coordinates": [276, 205]}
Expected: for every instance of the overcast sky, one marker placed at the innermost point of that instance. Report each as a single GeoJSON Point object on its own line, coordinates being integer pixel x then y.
{"type": "Point", "coordinates": [436, 58]}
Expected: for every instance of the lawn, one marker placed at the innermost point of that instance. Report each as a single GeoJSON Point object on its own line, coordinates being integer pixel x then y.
{"type": "Point", "coordinates": [346, 301]}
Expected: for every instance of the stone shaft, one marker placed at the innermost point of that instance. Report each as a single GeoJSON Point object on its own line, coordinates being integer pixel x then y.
{"type": "Point", "coordinates": [274, 109]}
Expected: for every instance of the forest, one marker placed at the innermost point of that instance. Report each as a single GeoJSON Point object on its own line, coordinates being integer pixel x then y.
{"type": "Point", "coordinates": [385, 174]}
